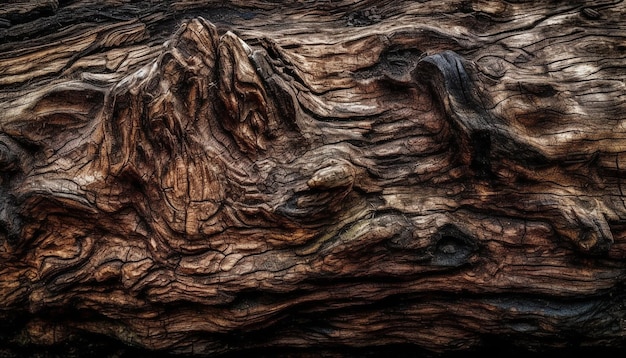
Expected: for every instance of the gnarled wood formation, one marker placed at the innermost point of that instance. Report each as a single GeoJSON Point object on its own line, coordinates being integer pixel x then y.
{"type": "Point", "coordinates": [208, 178]}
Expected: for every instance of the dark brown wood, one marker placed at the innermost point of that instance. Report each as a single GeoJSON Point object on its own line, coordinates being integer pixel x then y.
{"type": "Point", "coordinates": [210, 177]}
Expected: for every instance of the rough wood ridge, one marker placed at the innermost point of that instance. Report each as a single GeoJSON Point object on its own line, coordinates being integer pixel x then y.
{"type": "Point", "coordinates": [201, 177]}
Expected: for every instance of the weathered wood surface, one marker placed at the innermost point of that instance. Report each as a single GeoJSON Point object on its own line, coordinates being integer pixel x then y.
{"type": "Point", "coordinates": [203, 177]}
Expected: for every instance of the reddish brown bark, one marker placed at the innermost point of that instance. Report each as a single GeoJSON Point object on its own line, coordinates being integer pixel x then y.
{"type": "Point", "coordinates": [207, 178]}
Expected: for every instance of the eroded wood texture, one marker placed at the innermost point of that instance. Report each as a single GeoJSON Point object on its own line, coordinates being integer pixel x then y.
{"type": "Point", "coordinates": [205, 177]}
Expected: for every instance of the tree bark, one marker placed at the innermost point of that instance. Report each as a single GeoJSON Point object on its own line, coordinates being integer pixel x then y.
{"type": "Point", "coordinates": [208, 177]}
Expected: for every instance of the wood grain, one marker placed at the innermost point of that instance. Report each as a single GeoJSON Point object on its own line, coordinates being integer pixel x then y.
{"type": "Point", "coordinates": [210, 177]}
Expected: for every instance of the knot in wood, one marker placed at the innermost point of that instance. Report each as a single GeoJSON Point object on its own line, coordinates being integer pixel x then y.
{"type": "Point", "coordinates": [337, 174]}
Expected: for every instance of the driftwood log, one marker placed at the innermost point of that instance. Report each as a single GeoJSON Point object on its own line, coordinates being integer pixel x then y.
{"type": "Point", "coordinates": [207, 177]}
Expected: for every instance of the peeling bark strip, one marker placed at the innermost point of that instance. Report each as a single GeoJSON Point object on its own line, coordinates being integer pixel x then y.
{"type": "Point", "coordinates": [206, 178]}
